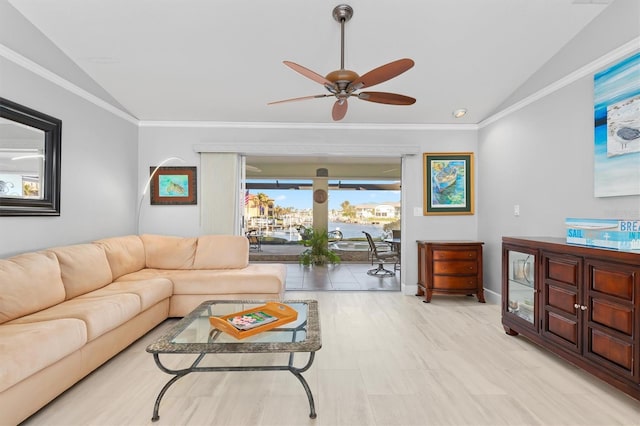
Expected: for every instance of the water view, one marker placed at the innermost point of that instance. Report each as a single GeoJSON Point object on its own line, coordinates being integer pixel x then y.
{"type": "Point", "coordinates": [354, 230]}
{"type": "Point", "coordinates": [349, 231]}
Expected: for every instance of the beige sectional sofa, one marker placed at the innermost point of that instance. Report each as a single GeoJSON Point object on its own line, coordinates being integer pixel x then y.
{"type": "Point", "coordinates": [66, 310]}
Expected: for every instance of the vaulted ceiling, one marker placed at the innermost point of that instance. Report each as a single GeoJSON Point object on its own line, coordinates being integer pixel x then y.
{"type": "Point", "coordinates": [222, 60]}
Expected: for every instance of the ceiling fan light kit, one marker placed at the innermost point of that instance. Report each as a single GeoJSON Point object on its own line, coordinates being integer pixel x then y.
{"type": "Point", "coordinates": [343, 83]}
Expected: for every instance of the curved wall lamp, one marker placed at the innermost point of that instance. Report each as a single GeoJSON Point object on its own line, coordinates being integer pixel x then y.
{"type": "Point", "coordinates": [146, 187]}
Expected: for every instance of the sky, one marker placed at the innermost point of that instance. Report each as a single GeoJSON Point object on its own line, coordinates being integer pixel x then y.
{"type": "Point", "coordinates": [303, 199]}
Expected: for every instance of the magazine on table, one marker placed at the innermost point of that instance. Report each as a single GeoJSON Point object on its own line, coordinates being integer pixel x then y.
{"type": "Point", "coordinates": [251, 320]}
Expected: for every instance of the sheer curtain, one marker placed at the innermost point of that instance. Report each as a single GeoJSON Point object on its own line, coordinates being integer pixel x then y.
{"type": "Point", "coordinates": [220, 186]}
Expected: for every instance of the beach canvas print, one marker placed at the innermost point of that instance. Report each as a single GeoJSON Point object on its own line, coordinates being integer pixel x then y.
{"type": "Point", "coordinates": [617, 129]}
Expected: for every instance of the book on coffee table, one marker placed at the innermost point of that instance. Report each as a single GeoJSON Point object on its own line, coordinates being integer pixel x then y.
{"type": "Point", "coordinates": [256, 320]}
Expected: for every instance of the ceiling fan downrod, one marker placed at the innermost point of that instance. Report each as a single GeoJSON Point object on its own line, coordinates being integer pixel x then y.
{"type": "Point", "coordinates": [342, 13]}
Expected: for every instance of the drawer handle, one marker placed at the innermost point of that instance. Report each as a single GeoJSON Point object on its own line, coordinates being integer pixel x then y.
{"type": "Point", "coordinates": [584, 308]}
{"type": "Point", "coordinates": [575, 305]}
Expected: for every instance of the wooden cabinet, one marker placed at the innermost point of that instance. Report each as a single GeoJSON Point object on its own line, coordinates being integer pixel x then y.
{"type": "Point", "coordinates": [587, 307]}
{"type": "Point", "coordinates": [450, 267]}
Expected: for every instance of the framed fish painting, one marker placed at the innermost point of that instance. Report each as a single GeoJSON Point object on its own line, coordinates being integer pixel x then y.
{"type": "Point", "coordinates": [173, 185]}
{"type": "Point", "coordinates": [448, 183]}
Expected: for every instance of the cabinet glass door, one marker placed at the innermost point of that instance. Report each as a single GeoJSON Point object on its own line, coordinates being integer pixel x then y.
{"type": "Point", "coordinates": [521, 285]}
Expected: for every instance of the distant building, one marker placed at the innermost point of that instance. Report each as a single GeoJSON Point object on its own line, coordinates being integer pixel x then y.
{"type": "Point", "coordinates": [381, 210]}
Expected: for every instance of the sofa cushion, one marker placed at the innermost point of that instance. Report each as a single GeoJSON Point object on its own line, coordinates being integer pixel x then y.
{"type": "Point", "coordinates": [84, 268]}
{"type": "Point", "coordinates": [125, 254]}
{"type": "Point", "coordinates": [165, 252]}
{"type": "Point", "coordinates": [256, 278]}
{"type": "Point", "coordinates": [149, 291]}
{"type": "Point", "coordinates": [145, 274]}
{"type": "Point", "coordinates": [221, 252]}
{"type": "Point", "coordinates": [28, 348]}
{"type": "Point", "coordinates": [100, 314]}
{"type": "Point", "coordinates": [29, 283]}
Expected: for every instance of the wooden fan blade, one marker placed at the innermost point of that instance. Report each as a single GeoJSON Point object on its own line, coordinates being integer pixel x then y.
{"type": "Point", "coordinates": [381, 74]}
{"type": "Point", "coordinates": [386, 98]}
{"type": "Point", "coordinates": [299, 99]}
{"type": "Point", "coordinates": [339, 109]}
{"type": "Point", "coordinates": [308, 73]}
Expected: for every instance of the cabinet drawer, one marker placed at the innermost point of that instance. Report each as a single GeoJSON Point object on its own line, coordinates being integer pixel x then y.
{"type": "Point", "coordinates": [453, 283]}
{"type": "Point", "coordinates": [614, 283]}
{"type": "Point", "coordinates": [565, 328]}
{"type": "Point", "coordinates": [612, 349]}
{"type": "Point", "coordinates": [561, 270]}
{"type": "Point", "coordinates": [458, 267]}
{"type": "Point", "coordinates": [612, 315]}
{"type": "Point", "coordinates": [562, 299]}
{"type": "Point", "coordinates": [455, 254]}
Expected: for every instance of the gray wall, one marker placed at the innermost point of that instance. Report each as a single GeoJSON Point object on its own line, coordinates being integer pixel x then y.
{"type": "Point", "coordinates": [99, 153]}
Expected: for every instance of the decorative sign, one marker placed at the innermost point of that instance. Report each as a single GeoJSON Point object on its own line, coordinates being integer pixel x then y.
{"type": "Point", "coordinates": [320, 196]}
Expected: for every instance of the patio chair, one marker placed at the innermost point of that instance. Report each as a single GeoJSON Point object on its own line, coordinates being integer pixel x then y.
{"type": "Point", "coordinates": [396, 235]}
{"type": "Point", "coordinates": [335, 235]}
{"type": "Point", "coordinates": [381, 258]}
{"type": "Point", "coordinates": [255, 243]}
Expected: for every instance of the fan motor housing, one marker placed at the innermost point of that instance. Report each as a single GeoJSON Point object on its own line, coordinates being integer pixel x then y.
{"type": "Point", "coordinates": [342, 76]}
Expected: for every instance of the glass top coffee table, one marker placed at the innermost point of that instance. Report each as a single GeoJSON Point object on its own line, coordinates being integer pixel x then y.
{"type": "Point", "coordinates": [194, 334]}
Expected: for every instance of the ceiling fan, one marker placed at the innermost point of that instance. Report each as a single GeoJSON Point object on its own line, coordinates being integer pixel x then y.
{"type": "Point", "coordinates": [345, 83]}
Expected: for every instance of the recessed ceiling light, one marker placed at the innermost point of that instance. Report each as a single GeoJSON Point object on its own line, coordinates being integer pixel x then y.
{"type": "Point", "coordinates": [459, 113]}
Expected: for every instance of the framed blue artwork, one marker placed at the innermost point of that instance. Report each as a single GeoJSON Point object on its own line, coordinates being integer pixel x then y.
{"type": "Point", "coordinates": [448, 183]}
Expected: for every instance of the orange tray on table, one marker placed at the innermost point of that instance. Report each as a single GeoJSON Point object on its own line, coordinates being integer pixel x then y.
{"type": "Point", "coordinates": [283, 313]}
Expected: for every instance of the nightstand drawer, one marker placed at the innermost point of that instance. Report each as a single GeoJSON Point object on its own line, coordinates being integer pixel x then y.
{"type": "Point", "coordinates": [449, 282]}
{"type": "Point", "coordinates": [455, 254]}
{"type": "Point", "coordinates": [457, 268]}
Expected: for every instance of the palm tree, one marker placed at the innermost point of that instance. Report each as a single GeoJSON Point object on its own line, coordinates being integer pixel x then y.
{"type": "Point", "coordinates": [347, 209]}
{"type": "Point", "coordinates": [263, 201]}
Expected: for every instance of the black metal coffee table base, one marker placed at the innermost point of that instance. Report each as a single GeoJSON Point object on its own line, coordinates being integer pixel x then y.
{"type": "Point", "coordinates": [195, 369]}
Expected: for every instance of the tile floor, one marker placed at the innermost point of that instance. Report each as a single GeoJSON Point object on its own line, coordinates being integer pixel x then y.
{"type": "Point", "coordinates": [344, 276]}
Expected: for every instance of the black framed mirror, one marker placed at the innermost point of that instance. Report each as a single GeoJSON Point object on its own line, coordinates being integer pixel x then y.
{"type": "Point", "coordinates": [30, 146]}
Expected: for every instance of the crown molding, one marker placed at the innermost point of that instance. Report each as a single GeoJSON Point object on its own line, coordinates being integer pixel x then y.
{"type": "Point", "coordinates": [54, 78]}
{"type": "Point", "coordinates": [326, 149]}
{"type": "Point", "coordinates": [304, 126]}
{"type": "Point", "coordinates": [589, 69]}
